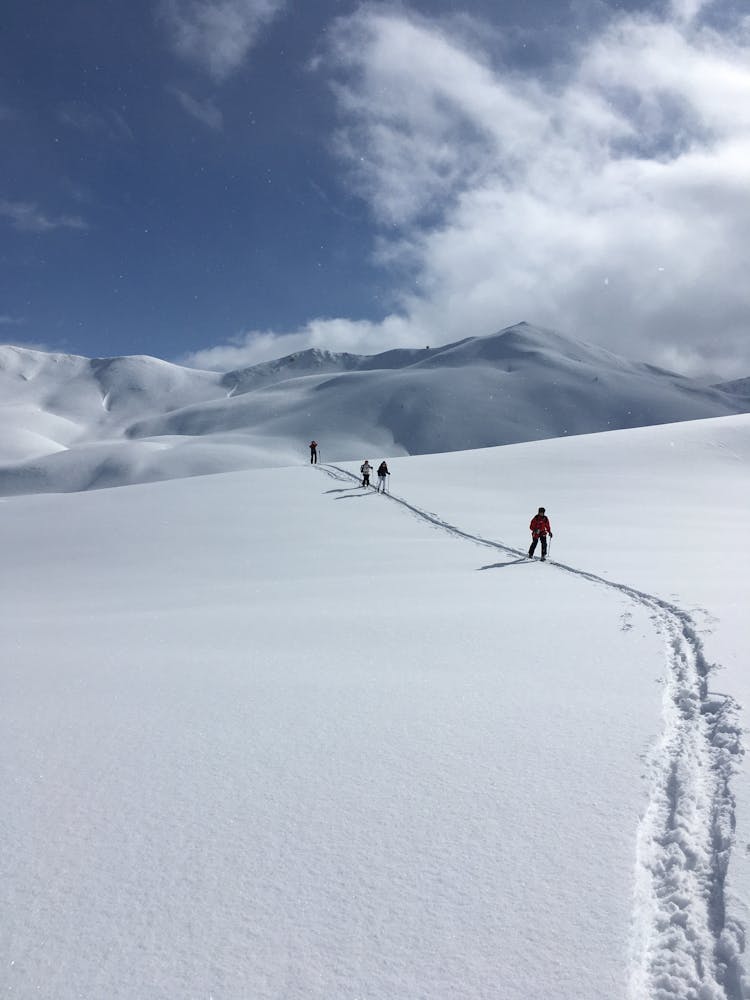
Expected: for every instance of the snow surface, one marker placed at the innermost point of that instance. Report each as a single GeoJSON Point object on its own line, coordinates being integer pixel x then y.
{"type": "Point", "coordinates": [265, 734]}
{"type": "Point", "coordinates": [69, 423]}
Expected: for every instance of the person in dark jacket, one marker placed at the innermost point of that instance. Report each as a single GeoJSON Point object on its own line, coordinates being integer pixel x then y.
{"type": "Point", "coordinates": [382, 473]}
{"type": "Point", "coordinates": [540, 528]}
{"type": "Point", "coordinates": [313, 452]}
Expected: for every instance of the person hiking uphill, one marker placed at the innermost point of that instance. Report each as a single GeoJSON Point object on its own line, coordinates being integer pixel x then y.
{"type": "Point", "coordinates": [365, 468]}
{"type": "Point", "coordinates": [540, 528]}
{"type": "Point", "coordinates": [313, 452]}
{"type": "Point", "coordinates": [382, 473]}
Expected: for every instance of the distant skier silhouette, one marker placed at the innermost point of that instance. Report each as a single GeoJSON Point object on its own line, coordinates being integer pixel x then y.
{"type": "Point", "coordinates": [540, 528]}
{"type": "Point", "coordinates": [313, 452]}
{"type": "Point", "coordinates": [382, 473]}
{"type": "Point", "coordinates": [365, 468]}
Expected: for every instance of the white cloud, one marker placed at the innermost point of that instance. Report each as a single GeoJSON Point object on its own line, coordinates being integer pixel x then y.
{"type": "Point", "coordinates": [216, 34]}
{"type": "Point", "coordinates": [687, 10]}
{"type": "Point", "coordinates": [423, 116]}
{"type": "Point", "coordinates": [612, 202]}
{"type": "Point", "coordinates": [27, 217]}
{"type": "Point", "coordinates": [108, 122]}
{"type": "Point", "coordinates": [204, 111]}
{"type": "Point", "coordinates": [255, 346]}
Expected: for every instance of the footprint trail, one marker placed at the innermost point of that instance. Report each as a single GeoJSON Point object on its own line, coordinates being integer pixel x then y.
{"type": "Point", "coordinates": [685, 943]}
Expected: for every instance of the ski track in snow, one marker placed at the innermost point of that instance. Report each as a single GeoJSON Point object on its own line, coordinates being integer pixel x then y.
{"type": "Point", "coordinates": [684, 945]}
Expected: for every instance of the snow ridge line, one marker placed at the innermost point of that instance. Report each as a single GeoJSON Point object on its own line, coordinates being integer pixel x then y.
{"type": "Point", "coordinates": [684, 945]}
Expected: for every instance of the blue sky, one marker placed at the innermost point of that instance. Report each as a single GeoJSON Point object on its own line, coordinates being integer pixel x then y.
{"type": "Point", "coordinates": [222, 181]}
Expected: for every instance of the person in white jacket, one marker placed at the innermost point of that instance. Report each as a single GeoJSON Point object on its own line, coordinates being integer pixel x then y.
{"type": "Point", "coordinates": [365, 468]}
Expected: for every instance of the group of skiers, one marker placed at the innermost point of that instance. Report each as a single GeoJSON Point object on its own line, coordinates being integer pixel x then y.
{"type": "Point", "coordinates": [365, 468]}
{"type": "Point", "coordinates": [539, 527]}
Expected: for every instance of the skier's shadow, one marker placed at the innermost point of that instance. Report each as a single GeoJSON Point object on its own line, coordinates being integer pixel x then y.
{"type": "Point", "coordinates": [344, 489]}
{"type": "Point", "coordinates": [502, 565]}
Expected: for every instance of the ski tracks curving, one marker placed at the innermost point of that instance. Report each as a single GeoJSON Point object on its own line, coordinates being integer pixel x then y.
{"type": "Point", "coordinates": [685, 944]}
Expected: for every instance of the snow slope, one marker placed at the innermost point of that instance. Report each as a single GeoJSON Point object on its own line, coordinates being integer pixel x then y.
{"type": "Point", "coordinates": [98, 397]}
{"type": "Point", "coordinates": [739, 387]}
{"type": "Point", "coordinates": [71, 423]}
{"type": "Point", "coordinates": [266, 735]}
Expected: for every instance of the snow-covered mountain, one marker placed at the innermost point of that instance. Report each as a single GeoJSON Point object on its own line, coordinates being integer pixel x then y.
{"type": "Point", "coordinates": [739, 387]}
{"type": "Point", "coordinates": [50, 402]}
{"type": "Point", "coordinates": [71, 423]}
{"type": "Point", "coordinates": [521, 384]}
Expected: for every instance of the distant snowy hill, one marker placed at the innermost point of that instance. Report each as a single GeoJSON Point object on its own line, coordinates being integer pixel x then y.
{"type": "Point", "coordinates": [740, 387]}
{"type": "Point", "coordinates": [71, 423]}
{"type": "Point", "coordinates": [62, 399]}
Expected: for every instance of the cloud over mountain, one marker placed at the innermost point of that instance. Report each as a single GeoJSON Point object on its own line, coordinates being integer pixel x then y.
{"type": "Point", "coordinates": [608, 191]}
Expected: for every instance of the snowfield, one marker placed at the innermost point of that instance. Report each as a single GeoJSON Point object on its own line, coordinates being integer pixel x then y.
{"type": "Point", "coordinates": [266, 735]}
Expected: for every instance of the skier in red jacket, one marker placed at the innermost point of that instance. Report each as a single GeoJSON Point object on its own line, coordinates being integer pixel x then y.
{"type": "Point", "coordinates": [540, 528]}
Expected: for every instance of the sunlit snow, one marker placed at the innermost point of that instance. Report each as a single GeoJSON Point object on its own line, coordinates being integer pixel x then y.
{"type": "Point", "coordinates": [266, 734]}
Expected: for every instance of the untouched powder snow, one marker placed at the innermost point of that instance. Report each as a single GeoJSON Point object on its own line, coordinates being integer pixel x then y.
{"type": "Point", "coordinates": [265, 734]}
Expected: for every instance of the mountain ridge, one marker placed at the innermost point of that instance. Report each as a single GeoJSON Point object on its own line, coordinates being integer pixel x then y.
{"type": "Point", "coordinates": [70, 422]}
